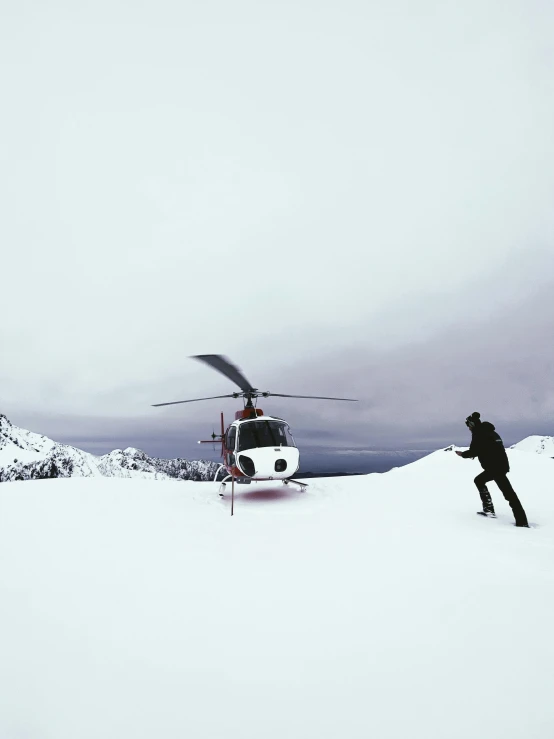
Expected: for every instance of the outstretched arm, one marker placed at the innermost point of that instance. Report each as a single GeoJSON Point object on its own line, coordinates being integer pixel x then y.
{"type": "Point", "coordinates": [470, 453]}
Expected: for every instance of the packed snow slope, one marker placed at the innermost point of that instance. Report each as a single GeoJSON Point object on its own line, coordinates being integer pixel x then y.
{"type": "Point", "coordinates": [374, 606]}
{"type": "Point", "coordinates": [537, 445]}
{"type": "Point", "coordinates": [25, 455]}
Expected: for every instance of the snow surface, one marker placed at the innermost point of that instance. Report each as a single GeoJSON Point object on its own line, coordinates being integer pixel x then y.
{"type": "Point", "coordinates": [372, 606]}
{"type": "Point", "coordinates": [537, 444]}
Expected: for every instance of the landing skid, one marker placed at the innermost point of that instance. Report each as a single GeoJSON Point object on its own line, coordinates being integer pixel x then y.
{"type": "Point", "coordinates": [222, 490]}
{"type": "Point", "coordinates": [301, 485]}
{"type": "Point", "coordinates": [238, 480]}
{"type": "Point", "coordinates": [223, 484]}
{"type": "Point", "coordinates": [247, 481]}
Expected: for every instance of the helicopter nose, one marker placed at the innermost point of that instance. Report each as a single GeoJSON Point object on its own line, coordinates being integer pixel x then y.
{"type": "Point", "coordinates": [268, 463]}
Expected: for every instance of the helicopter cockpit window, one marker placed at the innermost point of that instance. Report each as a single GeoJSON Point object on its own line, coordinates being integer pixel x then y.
{"type": "Point", "coordinates": [264, 433]}
{"type": "Point", "coordinates": [231, 436]}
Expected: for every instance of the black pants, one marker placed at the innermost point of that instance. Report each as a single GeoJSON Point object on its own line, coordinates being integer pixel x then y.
{"type": "Point", "coordinates": [507, 491]}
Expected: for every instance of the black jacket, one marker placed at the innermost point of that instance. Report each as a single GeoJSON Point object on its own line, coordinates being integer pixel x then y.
{"type": "Point", "coordinates": [487, 445]}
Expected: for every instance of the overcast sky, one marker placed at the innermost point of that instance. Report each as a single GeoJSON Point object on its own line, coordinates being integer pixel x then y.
{"type": "Point", "coordinates": [343, 197]}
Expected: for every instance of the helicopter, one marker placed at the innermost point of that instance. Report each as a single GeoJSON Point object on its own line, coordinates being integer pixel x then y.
{"type": "Point", "coordinates": [255, 446]}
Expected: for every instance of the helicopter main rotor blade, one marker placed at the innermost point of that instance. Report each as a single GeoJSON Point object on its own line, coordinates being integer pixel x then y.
{"type": "Point", "coordinates": [313, 397]}
{"type": "Point", "coordinates": [223, 365]}
{"type": "Point", "coordinates": [194, 400]}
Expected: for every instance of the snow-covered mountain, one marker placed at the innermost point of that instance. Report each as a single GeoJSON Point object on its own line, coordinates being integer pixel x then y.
{"type": "Point", "coordinates": [370, 606]}
{"type": "Point", "coordinates": [537, 444]}
{"type": "Point", "coordinates": [25, 455]}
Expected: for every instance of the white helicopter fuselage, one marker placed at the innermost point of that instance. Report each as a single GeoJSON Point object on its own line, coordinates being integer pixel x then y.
{"type": "Point", "coordinates": [261, 448]}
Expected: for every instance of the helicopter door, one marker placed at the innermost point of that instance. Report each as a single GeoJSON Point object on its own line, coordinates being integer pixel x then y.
{"type": "Point", "coordinates": [230, 444]}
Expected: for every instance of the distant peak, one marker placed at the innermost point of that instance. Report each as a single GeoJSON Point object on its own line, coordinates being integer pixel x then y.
{"type": "Point", "coordinates": [536, 444]}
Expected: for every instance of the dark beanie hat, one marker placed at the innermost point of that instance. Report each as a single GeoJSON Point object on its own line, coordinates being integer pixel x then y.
{"type": "Point", "coordinates": [473, 420]}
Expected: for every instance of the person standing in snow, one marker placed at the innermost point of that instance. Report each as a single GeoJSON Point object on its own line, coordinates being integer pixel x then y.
{"type": "Point", "coordinates": [487, 445]}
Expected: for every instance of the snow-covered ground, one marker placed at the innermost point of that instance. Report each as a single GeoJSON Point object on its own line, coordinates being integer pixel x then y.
{"type": "Point", "coordinates": [376, 606]}
{"type": "Point", "coordinates": [537, 445]}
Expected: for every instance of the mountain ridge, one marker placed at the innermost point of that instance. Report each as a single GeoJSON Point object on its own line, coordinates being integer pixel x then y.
{"type": "Point", "coordinates": [26, 455]}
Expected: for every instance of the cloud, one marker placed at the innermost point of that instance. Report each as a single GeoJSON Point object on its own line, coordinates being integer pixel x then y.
{"type": "Point", "coordinates": [501, 364]}
{"type": "Point", "coordinates": [352, 186]}
{"type": "Point", "coordinates": [412, 396]}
